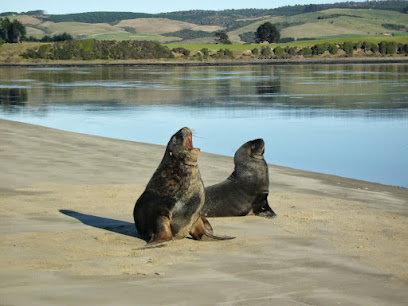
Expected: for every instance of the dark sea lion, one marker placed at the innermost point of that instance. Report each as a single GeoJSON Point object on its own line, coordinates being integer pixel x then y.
{"type": "Point", "coordinates": [246, 190]}
{"type": "Point", "coordinates": [170, 206]}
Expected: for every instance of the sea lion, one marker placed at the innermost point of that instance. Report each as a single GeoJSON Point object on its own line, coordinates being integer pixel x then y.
{"type": "Point", "coordinates": [170, 206]}
{"type": "Point", "coordinates": [246, 190]}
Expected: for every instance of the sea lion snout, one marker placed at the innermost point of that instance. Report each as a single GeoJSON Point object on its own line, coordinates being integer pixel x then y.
{"type": "Point", "coordinates": [257, 147]}
{"type": "Point", "coordinates": [181, 146]}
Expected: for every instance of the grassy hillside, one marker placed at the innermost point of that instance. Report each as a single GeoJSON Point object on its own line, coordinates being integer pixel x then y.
{"type": "Point", "coordinates": [338, 20]}
{"type": "Point", "coordinates": [333, 23]}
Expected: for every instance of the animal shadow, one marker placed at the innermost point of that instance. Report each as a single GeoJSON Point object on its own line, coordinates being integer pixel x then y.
{"type": "Point", "coordinates": [112, 225]}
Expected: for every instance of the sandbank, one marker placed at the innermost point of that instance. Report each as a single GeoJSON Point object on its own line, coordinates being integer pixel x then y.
{"type": "Point", "coordinates": [67, 233]}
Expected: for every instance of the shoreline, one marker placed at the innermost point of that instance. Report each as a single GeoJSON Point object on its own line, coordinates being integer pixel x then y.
{"type": "Point", "coordinates": [365, 60]}
{"type": "Point", "coordinates": [355, 182]}
{"type": "Point", "coordinates": [68, 235]}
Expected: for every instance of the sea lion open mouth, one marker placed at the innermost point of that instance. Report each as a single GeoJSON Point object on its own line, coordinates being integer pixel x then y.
{"type": "Point", "coordinates": [189, 143]}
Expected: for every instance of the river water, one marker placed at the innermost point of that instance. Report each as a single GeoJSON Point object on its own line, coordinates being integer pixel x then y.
{"type": "Point", "coordinates": [344, 119]}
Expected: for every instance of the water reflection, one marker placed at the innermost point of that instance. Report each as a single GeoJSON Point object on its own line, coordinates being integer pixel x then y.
{"type": "Point", "coordinates": [350, 120]}
{"type": "Point", "coordinates": [12, 97]}
{"type": "Point", "coordinates": [307, 87]}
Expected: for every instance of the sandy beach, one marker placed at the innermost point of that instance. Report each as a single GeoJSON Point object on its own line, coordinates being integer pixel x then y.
{"type": "Point", "coordinates": [67, 233]}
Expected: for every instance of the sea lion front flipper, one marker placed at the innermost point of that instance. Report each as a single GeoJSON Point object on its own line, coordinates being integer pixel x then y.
{"type": "Point", "coordinates": [162, 234]}
{"type": "Point", "coordinates": [203, 227]}
{"type": "Point", "coordinates": [260, 206]}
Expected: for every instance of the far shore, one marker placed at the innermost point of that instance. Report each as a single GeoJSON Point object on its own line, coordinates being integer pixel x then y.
{"type": "Point", "coordinates": [345, 60]}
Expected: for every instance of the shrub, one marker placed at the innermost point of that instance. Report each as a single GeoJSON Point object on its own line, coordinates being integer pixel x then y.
{"type": "Point", "coordinates": [286, 40]}
{"type": "Point", "coordinates": [391, 47]}
{"type": "Point", "coordinates": [368, 46]}
{"type": "Point", "coordinates": [290, 50]}
{"type": "Point", "coordinates": [348, 47]}
{"type": "Point", "coordinates": [183, 51]}
{"type": "Point", "coordinates": [266, 52]}
{"type": "Point", "coordinates": [205, 52]}
{"type": "Point", "coordinates": [255, 51]}
{"type": "Point", "coordinates": [387, 47]}
{"type": "Point", "coordinates": [403, 49]}
{"type": "Point", "coordinates": [223, 54]}
{"type": "Point", "coordinates": [318, 49]}
{"type": "Point", "coordinates": [279, 52]}
{"type": "Point", "coordinates": [332, 48]}
{"type": "Point", "coordinates": [305, 52]}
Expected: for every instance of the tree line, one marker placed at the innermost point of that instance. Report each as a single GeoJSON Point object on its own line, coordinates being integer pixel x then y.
{"type": "Point", "coordinates": [347, 48]}
{"type": "Point", "coordinates": [46, 38]}
{"type": "Point", "coordinates": [15, 32]}
{"type": "Point", "coordinates": [11, 31]}
{"type": "Point", "coordinates": [99, 49]}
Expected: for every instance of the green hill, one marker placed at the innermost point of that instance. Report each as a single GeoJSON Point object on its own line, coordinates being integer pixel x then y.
{"type": "Point", "coordinates": [338, 20]}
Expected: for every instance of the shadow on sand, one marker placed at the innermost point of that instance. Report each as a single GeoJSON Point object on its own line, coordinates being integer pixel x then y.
{"type": "Point", "coordinates": [112, 225]}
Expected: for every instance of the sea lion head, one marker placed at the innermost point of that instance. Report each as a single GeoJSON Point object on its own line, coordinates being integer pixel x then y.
{"type": "Point", "coordinates": [250, 165]}
{"type": "Point", "coordinates": [180, 147]}
{"type": "Point", "coordinates": [253, 149]}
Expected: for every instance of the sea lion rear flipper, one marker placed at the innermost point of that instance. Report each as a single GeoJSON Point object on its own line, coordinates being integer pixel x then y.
{"type": "Point", "coordinates": [203, 227]}
{"type": "Point", "coordinates": [162, 234]}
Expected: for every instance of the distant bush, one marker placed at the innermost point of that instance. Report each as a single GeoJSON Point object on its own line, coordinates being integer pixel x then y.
{"type": "Point", "coordinates": [189, 34]}
{"type": "Point", "coordinates": [248, 37]}
{"type": "Point", "coordinates": [332, 48]}
{"type": "Point", "coordinates": [279, 52]}
{"type": "Point", "coordinates": [286, 40]}
{"type": "Point", "coordinates": [223, 54]}
{"type": "Point", "coordinates": [290, 50]}
{"type": "Point", "coordinates": [403, 49]}
{"type": "Point", "coordinates": [368, 46]}
{"type": "Point", "coordinates": [255, 51]}
{"type": "Point", "coordinates": [318, 49]}
{"type": "Point", "coordinates": [180, 50]}
{"type": "Point", "coordinates": [348, 47]}
{"type": "Point", "coordinates": [99, 49]}
{"type": "Point", "coordinates": [205, 52]}
{"type": "Point", "coordinates": [394, 27]}
{"type": "Point", "coordinates": [266, 52]}
{"type": "Point", "coordinates": [387, 47]}
{"type": "Point", "coordinates": [305, 52]}
{"type": "Point", "coordinates": [58, 37]}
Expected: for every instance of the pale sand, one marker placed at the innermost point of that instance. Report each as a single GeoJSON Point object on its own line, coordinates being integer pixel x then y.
{"type": "Point", "coordinates": [334, 241]}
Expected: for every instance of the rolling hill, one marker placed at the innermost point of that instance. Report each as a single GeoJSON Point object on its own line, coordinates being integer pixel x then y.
{"type": "Point", "coordinates": [348, 19]}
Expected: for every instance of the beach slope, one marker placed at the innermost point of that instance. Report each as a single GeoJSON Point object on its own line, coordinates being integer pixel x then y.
{"type": "Point", "coordinates": [67, 233]}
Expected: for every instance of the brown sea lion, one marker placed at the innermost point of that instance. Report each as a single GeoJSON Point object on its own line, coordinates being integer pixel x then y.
{"type": "Point", "coordinates": [170, 207]}
{"type": "Point", "coordinates": [246, 190]}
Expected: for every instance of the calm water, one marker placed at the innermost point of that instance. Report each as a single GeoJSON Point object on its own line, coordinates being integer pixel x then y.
{"type": "Point", "coordinates": [348, 120]}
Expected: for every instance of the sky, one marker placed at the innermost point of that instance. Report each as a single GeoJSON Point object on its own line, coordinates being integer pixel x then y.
{"type": "Point", "coordinates": [145, 6]}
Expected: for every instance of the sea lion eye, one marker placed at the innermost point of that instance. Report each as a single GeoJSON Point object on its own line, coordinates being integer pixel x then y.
{"type": "Point", "coordinates": [171, 153]}
{"type": "Point", "coordinates": [253, 147]}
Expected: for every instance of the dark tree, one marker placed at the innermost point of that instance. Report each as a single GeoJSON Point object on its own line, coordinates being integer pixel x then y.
{"type": "Point", "coordinates": [11, 31]}
{"type": "Point", "coordinates": [222, 38]}
{"type": "Point", "coordinates": [267, 32]}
